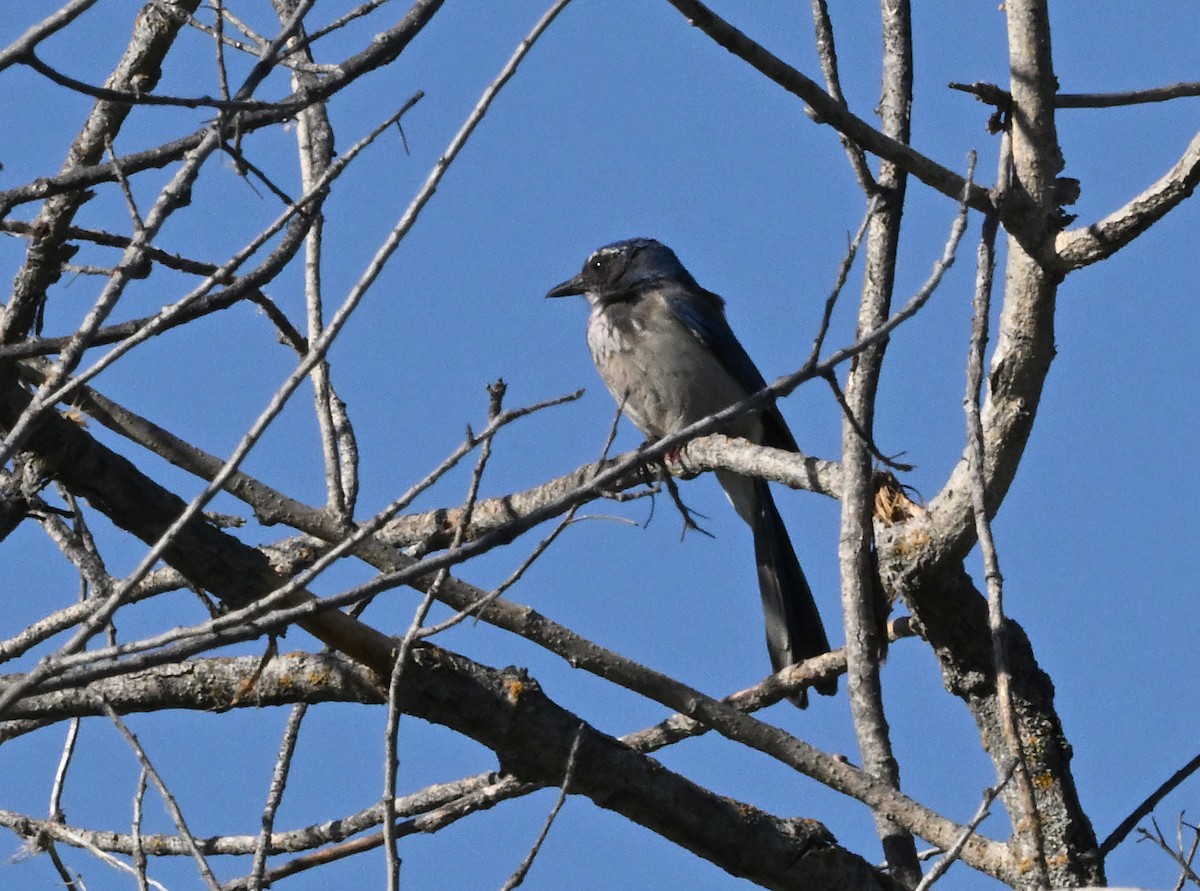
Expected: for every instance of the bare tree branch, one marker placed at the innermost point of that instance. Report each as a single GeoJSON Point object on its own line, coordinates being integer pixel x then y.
{"type": "Point", "coordinates": [1029, 826]}
{"type": "Point", "coordinates": [861, 608]}
{"type": "Point", "coordinates": [168, 799]}
{"type": "Point", "coordinates": [827, 52]}
{"type": "Point", "coordinates": [56, 21]}
{"type": "Point", "coordinates": [383, 50]}
{"type": "Point", "coordinates": [1148, 805]}
{"type": "Point", "coordinates": [507, 711]}
{"type": "Point", "coordinates": [269, 82]}
{"type": "Point", "coordinates": [989, 795]}
{"type": "Point", "coordinates": [518, 876]}
{"type": "Point", "coordinates": [154, 33]}
{"type": "Point", "coordinates": [994, 95]}
{"type": "Point", "coordinates": [830, 111]}
{"type": "Point", "coordinates": [279, 777]}
{"type": "Point", "coordinates": [1090, 244]}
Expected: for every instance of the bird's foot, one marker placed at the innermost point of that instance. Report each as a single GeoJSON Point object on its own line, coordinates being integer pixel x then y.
{"type": "Point", "coordinates": [686, 512]}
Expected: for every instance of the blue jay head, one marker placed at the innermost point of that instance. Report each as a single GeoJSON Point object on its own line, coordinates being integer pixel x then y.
{"type": "Point", "coordinates": [619, 271]}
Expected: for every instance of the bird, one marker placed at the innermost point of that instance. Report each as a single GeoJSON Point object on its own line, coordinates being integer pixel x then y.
{"type": "Point", "coordinates": [666, 352]}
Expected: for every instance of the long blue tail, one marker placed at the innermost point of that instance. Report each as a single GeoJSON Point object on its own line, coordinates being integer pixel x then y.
{"type": "Point", "coordinates": [794, 629]}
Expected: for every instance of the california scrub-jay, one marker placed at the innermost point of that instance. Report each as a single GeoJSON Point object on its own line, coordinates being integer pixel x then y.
{"type": "Point", "coordinates": [667, 355]}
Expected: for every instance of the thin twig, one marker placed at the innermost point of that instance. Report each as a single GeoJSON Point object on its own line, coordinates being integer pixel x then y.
{"type": "Point", "coordinates": [56, 811]}
{"type": "Point", "coordinates": [17, 50]}
{"type": "Point", "coordinates": [60, 867]}
{"type": "Point", "coordinates": [1185, 866]}
{"type": "Point", "coordinates": [972, 402]}
{"type": "Point", "coordinates": [88, 842]}
{"type": "Point", "coordinates": [867, 439]}
{"type": "Point", "coordinates": [989, 795]}
{"type": "Point", "coordinates": [1182, 90]}
{"type": "Point", "coordinates": [839, 281]}
{"type": "Point", "coordinates": [168, 799]}
{"type": "Point", "coordinates": [1148, 805]}
{"type": "Point", "coordinates": [315, 140]}
{"type": "Point", "coordinates": [160, 582]}
{"type": "Point", "coordinates": [244, 165]}
{"type": "Point", "coordinates": [135, 833]}
{"type": "Point", "coordinates": [136, 97]}
{"type": "Point", "coordinates": [342, 21]}
{"type": "Point", "coordinates": [219, 47]}
{"type": "Point", "coordinates": [254, 48]}
{"type": "Point", "coordinates": [122, 181]}
{"type": "Point", "coordinates": [1002, 99]}
{"type": "Point", "coordinates": [60, 774]}
{"type": "Point", "coordinates": [865, 645]}
{"type": "Point", "coordinates": [391, 757]}
{"type": "Point", "coordinates": [260, 42]}
{"type": "Point", "coordinates": [279, 777]}
{"type": "Point", "coordinates": [474, 609]}
{"type": "Point", "coordinates": [521, 871]}
{"type": "Point", "coordinates": [827, 52]}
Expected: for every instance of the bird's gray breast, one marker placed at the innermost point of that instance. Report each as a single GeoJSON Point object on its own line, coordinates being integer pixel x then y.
{"type": "Point", "coordinates": [662, 374]}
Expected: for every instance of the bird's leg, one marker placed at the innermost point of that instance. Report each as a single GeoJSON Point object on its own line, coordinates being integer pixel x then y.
{"type": "Point", "coordinates": [661, 471]}
{"type": "Point", "coordinates": [686, 512]}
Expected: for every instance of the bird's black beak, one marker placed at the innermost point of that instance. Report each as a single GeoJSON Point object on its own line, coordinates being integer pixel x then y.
{"type": "Point", "coordinates": [570, 286]}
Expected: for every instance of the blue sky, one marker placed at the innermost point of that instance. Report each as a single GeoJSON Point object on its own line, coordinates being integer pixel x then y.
{"type": "Point", "coordinates": [624, 121]}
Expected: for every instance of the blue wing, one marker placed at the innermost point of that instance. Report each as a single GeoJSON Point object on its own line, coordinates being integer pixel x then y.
{"type": "Point", "coordinates": [704, 317]}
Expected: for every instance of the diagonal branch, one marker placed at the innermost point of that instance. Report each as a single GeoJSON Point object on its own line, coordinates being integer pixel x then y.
{"type": "Point", "coordinates": [13, 53]}
{"type": "Point", "coordinates": [169, 801]}
{"type": "Point", "coordinates": [1090, 244]}
{"type": "Point", "coordinates": [830, 111]}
